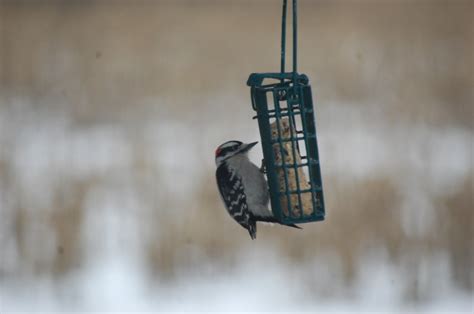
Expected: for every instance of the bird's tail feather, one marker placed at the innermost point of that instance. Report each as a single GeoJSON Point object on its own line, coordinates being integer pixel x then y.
{"type": "Point", "coordinates": [252, 228]}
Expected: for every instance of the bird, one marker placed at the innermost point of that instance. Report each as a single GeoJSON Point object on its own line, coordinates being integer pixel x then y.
{"type": "Point", "coordinates": [243, 187]}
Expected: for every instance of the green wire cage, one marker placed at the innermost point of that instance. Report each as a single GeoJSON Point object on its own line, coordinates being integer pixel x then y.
{"type": "Point", "coordinates": [284, 106]}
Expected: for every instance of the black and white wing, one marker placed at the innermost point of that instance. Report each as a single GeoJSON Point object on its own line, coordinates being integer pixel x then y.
{"type": "Point", "coordinates": [233, 194]}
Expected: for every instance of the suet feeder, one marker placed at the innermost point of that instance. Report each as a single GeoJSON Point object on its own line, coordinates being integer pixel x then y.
{"type": "Point", "coordinates": [286, 121]}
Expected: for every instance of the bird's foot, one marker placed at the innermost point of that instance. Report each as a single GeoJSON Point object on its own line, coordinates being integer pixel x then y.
{"type": "Point", "coordinates": [263, 169]}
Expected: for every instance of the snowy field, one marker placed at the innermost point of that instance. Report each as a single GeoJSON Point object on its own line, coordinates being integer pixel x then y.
{"type": "Point", "coordinates": [261, 278]}
{"type": "Point", "coordinates": [118, 285]}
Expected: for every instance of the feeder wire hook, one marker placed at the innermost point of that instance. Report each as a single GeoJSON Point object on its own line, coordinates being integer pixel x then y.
{"type": "Point", "coordinates": [295, 39]}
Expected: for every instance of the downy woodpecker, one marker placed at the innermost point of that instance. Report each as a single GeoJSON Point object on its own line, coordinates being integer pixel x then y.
{"type": "Point", "coordinates": [243, 187]}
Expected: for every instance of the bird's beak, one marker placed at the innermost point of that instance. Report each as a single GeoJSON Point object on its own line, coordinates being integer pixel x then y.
{"type": "Point", "coordinates": [248, 146]}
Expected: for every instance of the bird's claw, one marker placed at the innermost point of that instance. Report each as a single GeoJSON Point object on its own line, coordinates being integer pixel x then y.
{"type": "Point", "coordinates": [263, 169]}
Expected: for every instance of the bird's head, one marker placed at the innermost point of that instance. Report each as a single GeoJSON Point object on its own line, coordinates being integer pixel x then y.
{"type": "Point", "coordinates": [230, 149]}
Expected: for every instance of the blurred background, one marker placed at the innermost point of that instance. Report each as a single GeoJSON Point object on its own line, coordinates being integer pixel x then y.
{"type": "Point", "coordinates": [110, 112]}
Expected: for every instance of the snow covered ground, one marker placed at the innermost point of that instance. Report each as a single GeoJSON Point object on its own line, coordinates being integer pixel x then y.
{"type": "Point", "coordinates": [261, 280]}
{"type": "Point", "coordinates": [115, 284]}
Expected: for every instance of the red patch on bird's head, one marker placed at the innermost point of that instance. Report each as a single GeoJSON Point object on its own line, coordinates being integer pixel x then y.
{"type": "Point", "coordinates": [218, 150]}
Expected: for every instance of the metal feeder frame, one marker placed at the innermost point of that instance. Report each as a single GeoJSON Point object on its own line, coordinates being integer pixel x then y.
{"type": "Point", "coordinates": [288, 95]}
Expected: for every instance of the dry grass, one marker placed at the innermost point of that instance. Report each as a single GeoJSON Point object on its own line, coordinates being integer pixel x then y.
{"type": "Point", "coordinates": [455, 230]}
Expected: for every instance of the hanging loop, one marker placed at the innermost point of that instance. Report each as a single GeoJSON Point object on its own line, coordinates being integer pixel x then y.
{"type": "Point", "coordinates": [295, 38]}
